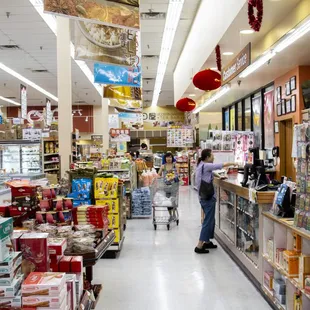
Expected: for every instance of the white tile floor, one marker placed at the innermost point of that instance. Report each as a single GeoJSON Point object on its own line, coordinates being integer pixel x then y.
{"type": "Point", "coordinates": [158, 270]}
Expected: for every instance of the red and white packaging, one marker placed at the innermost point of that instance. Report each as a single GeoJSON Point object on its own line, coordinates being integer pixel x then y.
{"type": "Point", "coordinates": [44, 284]}
{"type": "Point", "coordinates": [35, 252]}
{"type": "Point", "coordinates": [57, 246]}
{"type": "Point", "coordinates": [45, 301]}
{"type": "Point", "coordinates": [77, 264]}
{"type": "Point", "coordinates": [15, 240]}
{"type": "Point", "coordinates": [71, 290]}
{"type": "Point", "coordinates": [64, 264]}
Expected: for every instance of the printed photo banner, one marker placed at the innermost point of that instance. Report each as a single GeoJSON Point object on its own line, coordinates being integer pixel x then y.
{"type": "Point", "coordinates": [106, 44]}
{"type": "Point", "coordinates": [127, 105]}
{"type": "Point", "coordinates": [117, 75]}
{"type": "Point", "coordinates": [132, 121]}
{"type": "Point", "coordinates": [120, 13]}
{"type": "Point", "coordinates": [122, 92]}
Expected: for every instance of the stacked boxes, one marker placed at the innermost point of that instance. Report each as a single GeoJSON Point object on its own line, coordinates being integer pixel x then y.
{"type": "Point", "coordinates": [56, 250]}
{"type": "Point", "coordinates": [279, 288]}
{"type": "Point", "coordinates": [291, 263]}
{"type": "Point", "coordinates": [6, 229]}
{"type": "Point", "coordinates": [304, 269]}
{"type": "Point", "coordinates": [81, 191]}
{"type": "Point", "coordinates": [43, 290]}
{"type": "Point", "coordinates": [10, 280]}
{"type": "Point", "coordinates": [268, 280]}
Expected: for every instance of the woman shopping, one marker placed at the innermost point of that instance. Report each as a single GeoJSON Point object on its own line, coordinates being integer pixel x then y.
{"type": "Point", "coordinates": [170, 172]}
{"type": "Point", "coordinates": [207, 197]}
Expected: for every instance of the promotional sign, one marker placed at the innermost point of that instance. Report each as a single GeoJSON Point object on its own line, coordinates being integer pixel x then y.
{"type": "Point", "coordinates": [257, 120]}
{"type": "Point", "coordinates": [237, 65]}
{"type": "Point", "coordinates": [127, 105]}
{"type": "Point", "coordinates": [23, 101]}
{"type": "Point", "coordinates": [113, 121]}
{"type": "Point", "coordinates": [132, 121]}
{"type": "Point", "coordinates": [232, 118]}
{"type": "Point", "coordinates": [122, 92]}
{"type": "Point", "coordinates": [49, 113]}
{"type": "Point", "coordinates": [160, 118]}
{"type": "Point", "coordinates": [119, 135]}
{"type": "Point", "coordinates": [117, 75]}
{"type": "Point", "coordinates": [269, 119]}
{"type": "Point", "coordinates": [180, 137]}
{"type": "Point", "coordinates": [120, 13]}
{"type": "Point", "coordinates": [106, 44]}
{"type": "Point", "coordinates": [97, 138]}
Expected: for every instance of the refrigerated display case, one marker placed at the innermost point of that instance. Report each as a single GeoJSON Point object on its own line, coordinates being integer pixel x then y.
{"type": "Point", "coordinates": [20, 156]}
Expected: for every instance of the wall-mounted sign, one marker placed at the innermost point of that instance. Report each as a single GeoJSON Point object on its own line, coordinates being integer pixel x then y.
{"type": "Point", "coordinates": [119, 135]}
{"type": "Point", "coordinates": [23, 100]}
{"type": "Point", "coordinates": [237, 65]}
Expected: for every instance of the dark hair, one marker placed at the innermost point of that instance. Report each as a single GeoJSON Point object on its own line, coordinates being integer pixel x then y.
{"type": "Point", "coordinates": [169, 154]}
{"type": "Point", "coordinates": [204, 155]}
{"type": "Point", "coordinates": [137, 154]}
{"type": "Point", "coordinates": [143, 146]}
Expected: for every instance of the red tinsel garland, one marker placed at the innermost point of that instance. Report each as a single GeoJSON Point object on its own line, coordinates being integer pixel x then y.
{"type": "Point", "coordinates": [255, 21]}
{"type": "Point", "coordinates": [218, 58]}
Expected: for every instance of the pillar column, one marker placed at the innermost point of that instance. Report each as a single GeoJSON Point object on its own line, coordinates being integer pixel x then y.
{"type": "Point", "coordinates": [101, 122]}
{"type": "Point", "coordinates": [64, 85]}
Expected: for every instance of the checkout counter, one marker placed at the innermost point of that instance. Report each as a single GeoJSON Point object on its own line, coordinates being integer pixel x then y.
{"type": "Point", "coordinates": [239, 223]}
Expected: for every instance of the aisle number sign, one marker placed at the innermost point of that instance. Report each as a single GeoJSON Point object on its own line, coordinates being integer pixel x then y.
{"type": "Point", "coordinates": [23, 100]}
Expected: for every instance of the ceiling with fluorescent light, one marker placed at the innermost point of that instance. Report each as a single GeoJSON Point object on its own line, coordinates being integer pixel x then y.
{"type": "Point", "coordinates": [274, 13]}
{"type": "Point", "coordinates": [33, 53]}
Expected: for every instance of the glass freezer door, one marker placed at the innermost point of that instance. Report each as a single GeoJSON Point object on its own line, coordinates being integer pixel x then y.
{"type": "Point", "coordinates": [10, 158]}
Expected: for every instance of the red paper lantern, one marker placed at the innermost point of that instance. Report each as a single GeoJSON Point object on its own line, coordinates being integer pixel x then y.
{"type": "Point", "coordinates": [207, 80]}
{"type": "Point", "coordinates": [186, 105]}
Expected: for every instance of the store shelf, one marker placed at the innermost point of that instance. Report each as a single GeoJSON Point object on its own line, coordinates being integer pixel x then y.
{"type": "Point", "coordinates": [245, 212]}
{"type": "Point", "coordinates": [117, 246]}
{"type": "Point", "coordinates": [273, 299]}
{"type": "Point", "coordinates": [226, 202]}
{"type": "Point", "coordinates": [114, 170]}
{"type": "Point", "coordinates": [51, 169]}
{"type": "Point", "coordinates": [293, 281]}
{"type": "Point", "coordinates": [51, 162]}
{"type": "Point", "coordinates": [230, 221]}
{"type": "Point", "coordinates": [51, 154]}
{"type": "Point", "coordinates": [244, 231]}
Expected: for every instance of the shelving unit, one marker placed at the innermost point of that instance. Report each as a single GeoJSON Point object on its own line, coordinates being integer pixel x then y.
{"type": "Point", "coordinates": [183, 164]}
{"type": "Point", "coordinates": [50, 156]}
{"type": "Point", "coordinates": [281, 232]}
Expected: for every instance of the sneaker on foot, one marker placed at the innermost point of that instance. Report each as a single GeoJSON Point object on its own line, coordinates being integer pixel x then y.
{"type": "Point", "coordinates": [209, 245]}
{"type": "Point", "coordinates": [201, 251]}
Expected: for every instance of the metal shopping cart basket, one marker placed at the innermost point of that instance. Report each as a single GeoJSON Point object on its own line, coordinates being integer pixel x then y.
{"type": "Point", "coordinates": [165, 201]}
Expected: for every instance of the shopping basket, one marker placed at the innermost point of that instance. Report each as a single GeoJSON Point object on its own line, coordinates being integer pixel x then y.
{"type": "Point", "coordinates": [165, 202]}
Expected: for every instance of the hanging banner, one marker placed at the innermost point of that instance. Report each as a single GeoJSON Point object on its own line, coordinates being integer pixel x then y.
{"type": "Point", "coordinates": [269, 119]}
{"type": "Point", "coordinates": [119, 135]}
{"type": "Point", "coordinates": [49, 113]}
{"type": "Point", "coordinates": [23, 101]}
{"type": "Point", "coordinates": [132, 121]}
{"type": "Point", "coordinates": [117, 75]}
{"type": "Point", "coordinates": [122, 92]}
{"type": "Point", "coordinates": [106, 44]}
{"type": "Point", "coordinates": [257, 120]}
{"type": "Point", "coordinates": [127, 105]}
{"type": "Point", "coordinates": [124, 14]}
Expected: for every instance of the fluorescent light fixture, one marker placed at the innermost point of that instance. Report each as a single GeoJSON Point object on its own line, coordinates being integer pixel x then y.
{"type": "Point", "coordinates": [257, 63]}
{"type": "Point", "coordinates": [214, 69]}
{"type": "Point", "coordinates": [292, 36]}
{"type": "Point", "coordinates": [52, 24]}
{"type": "Point", "coordinates": [9, 100]}
{"type": "Point", "coordinates": [172, 20]}
{"type": "Point", "coordinates": [221, 92]}
{"type": "Point", "coordinates": [28, 82]}
{"type": "Point", "coordinates": [247, 31]}
{"type": "Point", "coordinates": [228, 53]}
{"type": "Point", "coordinates": [192, 95]}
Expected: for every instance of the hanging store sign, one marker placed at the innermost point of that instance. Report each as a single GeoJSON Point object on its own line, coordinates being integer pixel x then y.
{"type": "Point", "coordinates": [119, 135]}
{"type": "Point", "coordinates": [132, 121]}
{"type": "Point", "coordinates": [106, 44]}
{"type": "Point", "coordinates": [23, 100]}
{"type": "Point", "coordinates": [237, 65]}
{"type": "Point", "coordinates": [49, 113]}
{"type": "Point", "coordinates": [120, 13]}
{"type": "Point", "coordinates": [117, 75]}
{"type": "Point", "coordinates": [122, 92]}
{"type": "Point", "coordinates": [127, 105]}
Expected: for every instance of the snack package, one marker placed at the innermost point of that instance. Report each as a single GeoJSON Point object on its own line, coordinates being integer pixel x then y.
{"type": "Point", "coordinates": [106, 188]}
{"type": "Point", "coordinates": [71, 291]}
{"type": "Point", "coordinates": [77, 264]}
{"type": "Point", "coordinates": [10, 302]}
{"type": "Point", "coordinates": [11, 290]}
{"type": "Point", "coordinates": [82, 187]}
{"type": "Point", "coordinates": [7, 279]}
{"type": "Point", "coordinates": [11, 263]}
{"type": "Point", "coordinates": [6, 229]}
{"type": "Point", "coordinates": [57, 246]}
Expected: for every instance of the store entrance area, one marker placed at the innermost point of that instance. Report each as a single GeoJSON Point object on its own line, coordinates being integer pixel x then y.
{"type": "Point", "coordinates": [159, 270]}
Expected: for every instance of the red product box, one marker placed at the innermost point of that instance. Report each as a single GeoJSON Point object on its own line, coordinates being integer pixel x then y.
{"type": "Point", "coordinates": [4, 211]}
{"type": "Point", "coordinates": [55, 258]}
{"type": "Point", "coordinates": [57, 246]}
{"type": "Point", "coordinates": [77, 264]}
{"type": "Point", "coordinates": [35, 252]}
{"type": "Point", "coordinates": [15, 240]}
{"type": "Point", "coordinates": [54, 267]}
{"type": "Point", "coordinates": [64, 264]}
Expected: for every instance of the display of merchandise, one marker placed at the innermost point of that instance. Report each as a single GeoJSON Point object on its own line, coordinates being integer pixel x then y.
{"type": "Point", "coordinates": [182, 137]}
{"type": "Point", "coordinates": [50, 156]}
{"type": "Point", "coordinates": [183, 164]}
{"type": "Point", "coordinates": [81, 191]}
{"type": "Point", "coordinates": [227, 213]}
{"type": "Point", "coordinates": [141, 202]}
{"type": "Point", "coordinates": [74, 146]}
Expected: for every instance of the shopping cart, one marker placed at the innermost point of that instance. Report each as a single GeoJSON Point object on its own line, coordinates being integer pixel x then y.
{"type": "Point", "coordinates": [165, 201]}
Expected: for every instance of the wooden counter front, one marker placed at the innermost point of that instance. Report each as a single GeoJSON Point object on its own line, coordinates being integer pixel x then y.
{"type": "Point", "coordinates": [233, 184]}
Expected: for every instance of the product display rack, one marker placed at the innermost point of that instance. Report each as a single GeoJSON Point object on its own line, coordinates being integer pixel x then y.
{"type": "Point", "coordinates": [183, 164]}
{"type": "Point", "coordinates": [50, 156]}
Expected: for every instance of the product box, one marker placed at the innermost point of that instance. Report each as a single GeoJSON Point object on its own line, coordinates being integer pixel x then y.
{"type": "Point", "coordinates": [35, 252]}
{"type": "Point", "coordinates": [106, 188]}
{"type": "Point", "coordinates": [6, 229]}
{"type": "Point", "coordinates": [304, 268]}
{"type": "Point", "coordinates": [297, 301]}
{"type": "Point", "coordinates": [291, 263]}
{"type": "Point", "coordinates": [117, 236]}
{"type": "Point", "coordinates": [10, 134]}
{"type": "Point", "coordinates": [45, 301]}
{"type": "Point", "coordinates": [297, 242]}
{"type": "Point", "coordinates": [268, 280]}
{"type": "Point", "coordinates": [279, 257]}
{"type": "Point", "coordinates": [77, 264]}
{"type": "Point", "coordinates": [43, 284]}
{"type": "Point", "coordinates": [11, 262]}
{"type": "Point", "coordinates": [79, 285]}
{"type": "Point", "coordinates": [10, 302]}
{"type": "Point", "coordinates": [270, 249]}
{"type": "Point", "coordinates": [280, 298]}
{"type": "Point", "coordinates": [15, 240]}
{"type": "Point", "coordinates": [113, 205]}
{"type": "Point", "coordinates": [7, 279]}
{"type": "Point", "coordinates": [279, 286]}
{"type": "Point", "coordinates": [57, 246]}
{"type": "Point", "coordinates": [65, 263]}
{"type": "Point", "coordinates": [307, 284]}
{"type": "Point", "coordinates": [11, 290]}
{"type": "Point", "coordinates": [55, 258]}
{"type": "Point", "coordinates": [113, 221]}
{"type": "Point", "coordinates": [71, 289]}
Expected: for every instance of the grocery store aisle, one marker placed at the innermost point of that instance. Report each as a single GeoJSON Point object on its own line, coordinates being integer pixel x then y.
{"type": "Point", "coordinates": [158, 270]}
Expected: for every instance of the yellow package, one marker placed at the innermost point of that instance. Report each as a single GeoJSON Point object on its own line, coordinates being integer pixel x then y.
{"type": "Point", "coordinates": [117, 236]}
{"type": "Point", "coordinates": [113, 221]}
{"type": "Point", "coordinates": [106, 188]}
{"type": "Point", "coordinates": [113, 205]}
